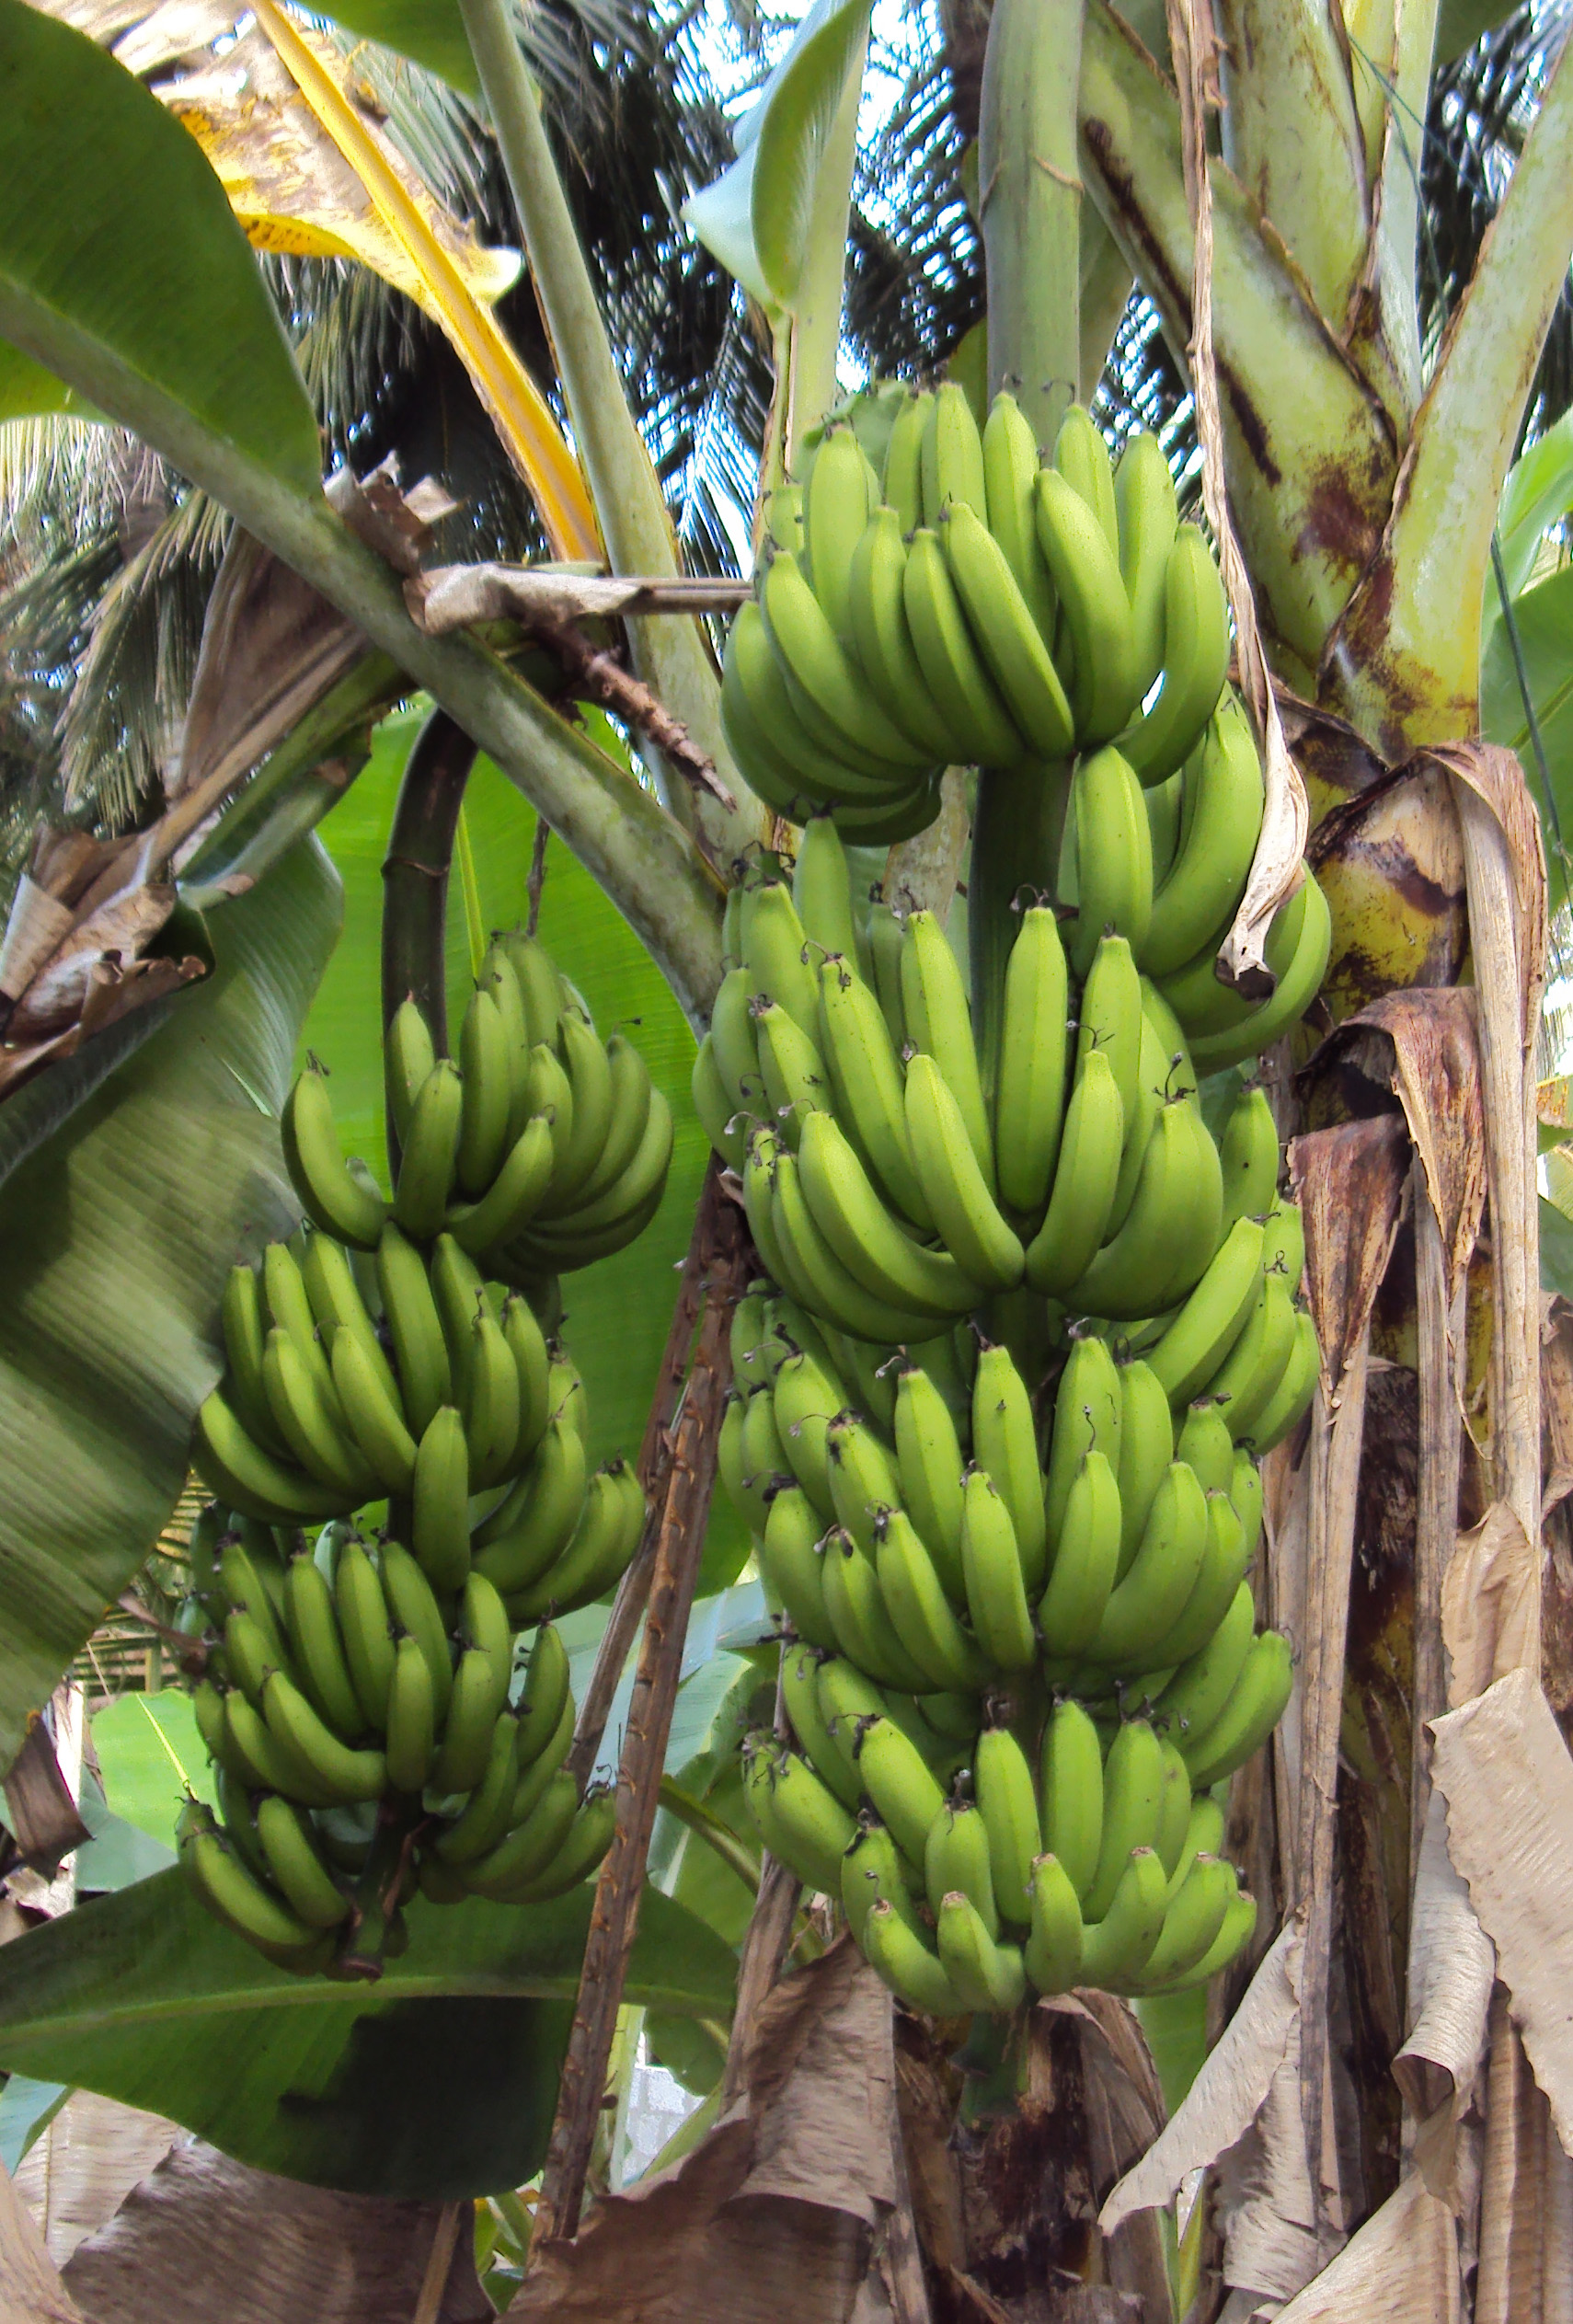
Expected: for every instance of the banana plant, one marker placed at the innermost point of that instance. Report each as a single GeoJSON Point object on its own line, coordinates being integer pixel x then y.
{"type": "Point", "coordinates": [1365, 468]}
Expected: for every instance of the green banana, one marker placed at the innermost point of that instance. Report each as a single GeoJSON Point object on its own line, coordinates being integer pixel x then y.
{"type": "Point", "coordinates": [1122, 1279]}
{"type": "Point", "coordinates": [1004, 1441]}
{"type": "Point", "coordinates": [413, 1607]}
{"type": "Point", "coordinates": [952, 455]}
{"type": "Point", "coordinates": [298, 1397]}
{"type": "Point", "coordinates": [483, 1820]}
{"type": "Point", "coordinates": [1222, 1570]}
{"type": "Point", "coordinates": [430, 1159]}
{"type": "Point", "coordinates": [244, 1323]}
{"type": "Point", "coordinates": [1001, 1778]}
{"type": "Point", "coordinates": [1193, 1922]}
{"type": "Point", "coordinates": [1132, 1804]}
{"type": "Point", "coordinates": [791, 1564]}
{"type": "Point", "coordinates": [990, 1565]}
{"type": "Point", "coordinates": [375, 1418]}
{"type": "Point", "coordinates": [872, 1873]}
{"type": "Point", "coordinates": [801, 1820]}
{"type": "Point", "coordinates": [957, 1856]}
{"type": "Point", "coordinates": [1213, 1318]}
{"type": "Point", "coordinates": [1088, 1410]}
{"type": "Point", "coordinates": [938, 1021]}
{"type": "Point", "coordinates": [234, 1896]}
{"type": "Point", "coordinates": [1283, 1242]}
{"type": "Point", "coordinates": [1008, 637]}
{"type": "Point", "coordinates": [929, 1463]}
{"type": "Point", "coordinates": [1117, 1946]}
{"type": "Point", "coordinates": [1071, 1787]}
{"type": "Point", "coordinates": [821, 892]}
{"type": "Point", "coordinates": [865, 1079]}
{"type": "Point", "coordinates": [546, 1699]}
{"type": "Point", "coordinates": [840, 494]}
{"type": "Point", "coordinates": [856, 1606]}
{"type": "Point", "coordinates": [336, 1768]}
{"type": "Point", "coordinates": [1222, 804]}
{"type": "Point", "coordinates": [914, 1974]}
{"type": "Point", "coordinates": [1248, 1151]}
{"type": "Point", "coordinates": [340, 1204]}
{"type": "Point", "coordinates": [364, 1627]}
{"type": "Point", "coordinates": [1081, 457]}
{"type": "Point", "coordinates": [1258, 1700]}
{"type": "Point", "coordinates": [985, 1246]}
{"type": "Point", "coordinates": [987, 1975]}
{"type": "Point", "coordinates": [1206, 1446]}
{"type": "Point", "coordinates": [1113, 856]}
{"type": "Point", "coordinates": [1095, 614]}
{"type": "Point", "coordinates": [1144, 1607]}
{"type": "Point", "coordinates": [530, 1845]}
{"type": "Point", "coordinates": [420, 1352]}
{"type": "Point", "coordinates": [408, 1057]}
{"type": "Point", "coordinates": [318, 1655]}
{"type": "Point", "coordinates": [920, 1613]}
{"type": "Point", "coordinates": [586, 1842]}
{"type": "Point", "coordinates": [411, 1719]}
{"type": "Point", "coordinates": [514, 1197]}
{"type": "Point", "coordinates": [1052, 1952]}
{"type": "Point", "coordinates": [1030, 1103]}
{"type": "Point", "coordinates": [486, 1069]}
{"type": "Point", "coordinates": [883, 641]}
{"type": "Point", "coordinates": [1148, 517]}
{"type": "Point", "coordinates": [974, 714]}
{"type": "Point", "coordinates": [1085, 1181]}
{"type": "Point", "coordinates": [1010, 475]}
{"type": "Point", "coordinates": [1087, 1555]}
{"type": "Point", "coordinates": [899, 1782]}
{"type": "Point", "coordinates": [1196, 660]}
{"type": "Point", "coordinates": [863, 1234]}
{"type": "Point", "coordinates": [887, 942]}
{"type": "Point", "coordinates": [1297, 988]}
{"type": "Point", "coordinates": [1146, 1448]}
{"type": "Point", "coordinates": [817, 1275]}
{"type": "Point", "coordinates": [800, 1696]}
{"type": "Point", "coordinates": [1112, 1008]}
{"type": "Point", "coordinates": [806, 1399]}
{"type": "Point", "coordinates": [1247, 1500]}
{"type": "Point", "coordinates": [1239, 1926]}
{"type": "Point", "coordinates": [532, 1527]}
{"type": "Point", "coordinates": [1202, 1685]}
{"type": "Point", "coordinates": [823, 682]}
{"type": "Point", "coordinates": [901, 482]}
{"type": "Point", "coordinates": [1292, 1397]}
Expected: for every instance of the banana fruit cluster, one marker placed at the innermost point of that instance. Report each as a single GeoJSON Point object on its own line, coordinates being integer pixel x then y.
{"type": "Point", "coordinates": [964, 602]}
{"type": "Point", "coordinates": [964, 1619]}
{"type": "Point", "coordinates": [371, 1736]}
{"type": "Point", "coordinates": [540, 1149]}
{"type": "Point", "coordinates": [891, 1191]}
{"type": "Point", "coordinates": [1061, 1846]}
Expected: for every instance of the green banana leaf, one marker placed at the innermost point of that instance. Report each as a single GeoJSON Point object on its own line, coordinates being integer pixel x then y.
{"type": "Point", "coordinates": [439, 2082]}
{"type": "Point", "coordinates": [137, 1740]}
{"type": "Point", "coordinates": [164, 294]}
{"type": "Point", "coordinates": [431, 31]}
{"type": "Point", "coordinates": [619, 1311]}
{"type": "Point", "coordinates": [1555, 1249]}
{"type": "Point", "coordinates": [133, 1197]}
{"type": "Point", "coordinates": [28, 392]}
{"type": "Point", "coordinates": [755, 217]}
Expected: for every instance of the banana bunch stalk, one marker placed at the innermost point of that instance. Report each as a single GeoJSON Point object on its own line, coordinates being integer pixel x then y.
{"type": "Point", "coordinates": [539, 1149]}
{"type": "Point", "coordinates": [1056, 1845]}
{"type": "Point", "coordinates": [373, 1734]}
{"type": "Point", "coordinates": [956, 599]}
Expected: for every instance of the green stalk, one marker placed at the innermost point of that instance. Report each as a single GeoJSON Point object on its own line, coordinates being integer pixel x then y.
{"type": "Point", "coordinates": [1030, 196]}
{"type": "Point", "coordinates": [671, 653]}
{"type": "Point", "coordinates": [1408, 654]}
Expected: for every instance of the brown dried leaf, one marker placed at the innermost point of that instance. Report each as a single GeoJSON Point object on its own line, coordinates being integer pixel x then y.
{"type": "Point", "coordinates": [1401, 2266]}
{"type": "Point", "coordinates": [270, 649]}
{"type": "Point", "coordinates": [1489, 1592]}
{"type": "Point", "coordinates": [30, 2288]}
{"type": "Point", "coordinates": [205, 2237]}
{"type": "Point", "coordinates": [455, 596]}
{"type": "Point", "coordinates": [1504, 1770]}
{"type": "Point", "coordinates": [1350, 1181]}
{"type": "Point", "coordinates": [788, 2187]}
{"type": "Point", "coordinates": [84, 2165]}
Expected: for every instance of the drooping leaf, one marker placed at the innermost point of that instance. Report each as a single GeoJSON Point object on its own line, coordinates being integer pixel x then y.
{"type": "Point", "coordinates": [117, 243]}
{"type": "Point", "coordinates": [755, 217]}
{"type": "Point", "coordinates": [431, 31]}
{"type": "Point", "coordinates": [27, 391]}
{"type": "Point", "coordinates": [116, 1233]}
{"type": "Point", "coordinates": [438, 2082]}
{"type": "Point", "coordinates": [1555, 1249]}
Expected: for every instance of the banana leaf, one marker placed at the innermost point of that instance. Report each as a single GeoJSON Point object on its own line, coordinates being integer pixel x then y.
{"type": "Point", "coordinates": [127, 1199]}
{"type": "Point", "coordinates": [437, 2083]}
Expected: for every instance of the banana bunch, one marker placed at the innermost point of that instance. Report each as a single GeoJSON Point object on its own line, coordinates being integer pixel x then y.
{"type": "Point", "coordinates": [890, 1193]}
{"type": "Point", "coordinates": [1066, 1846]}
{"type": "Point", "coordinates": [539, 1149]}
{"type": "Point", "coordinates": [352, 1379]}
{"type": "Point", "coordinates": [370, 1734]}
{"type": "Point", "coordinates": [964, 602]}
{"type": "Point", "coordinates": [928, 1547]}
